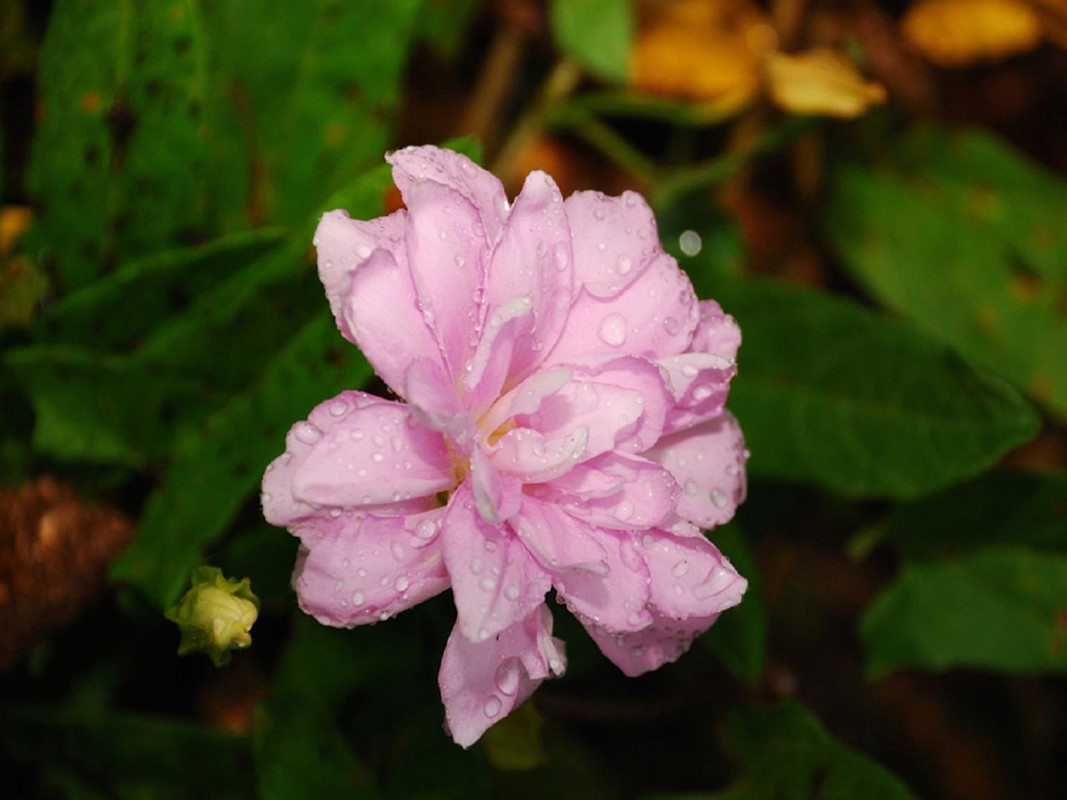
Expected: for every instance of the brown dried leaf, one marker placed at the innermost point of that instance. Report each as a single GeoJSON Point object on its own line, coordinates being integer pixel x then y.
{"type": "Point", "coordinates": [54, 550]}
{"type": "Point", "coordinates": [821, 81]}
{"type": "Point", "coordinates": [958, 33]}
{"type": "Point", "coordinates": [706, 50]}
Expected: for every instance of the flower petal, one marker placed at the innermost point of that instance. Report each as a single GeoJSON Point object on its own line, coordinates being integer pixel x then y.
{"type": "Point", "coordinates": [700, 383]}
{"type": "Point", "coordinates": [655, 316]}
{"type": "Point", "coordinates": [495, 581]}
{"type": "Point", "coordinates": [561, 544]}
{"type": "Point", "coordinates": [364, 569]}
{"type": "Point", "coordinates": [344, 244]}
{"type": "Point", "coordinates": [533, 261]}
{"type": "Point", "coordinates": [615, 239]}
{"type": "Point", "coordinates": [717, 332]}
{"type": "Point", "coordinates": [481, 683]}
{"type": "Point", "coordinates": [528, 455]}
{"type": "Point", "coordinates": [690, 577]}
{"type": "Point", "coordinates": [381, 313]}
{"type": "Point", "coordinates": [662, 642]}
{"type": "Point", "coordinates": [623, 403]}
{"type": "Point", "coordinates": [363, 450]}
{"type": "Point", "coordinates": [617, 597]}
{"type": "Point", "coordinates": [614, 491]}
{"type": "Point", "coordinates": [454, 170]}
{"type": "Point", "coordinates": [446, 251]}
{"type": "Point", "coordinates": [708, 461]}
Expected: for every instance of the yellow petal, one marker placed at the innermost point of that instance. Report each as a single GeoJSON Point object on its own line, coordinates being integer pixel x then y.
{"type": "Point", "coordinates": [821, 81]}
{"type": "Point", "coordinates": [955, 33]}
{"type": "Point", "coordinates": [707, 50]}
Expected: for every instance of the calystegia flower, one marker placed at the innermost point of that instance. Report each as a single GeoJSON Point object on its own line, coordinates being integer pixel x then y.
{"type": "Point", "coordinates": [559, 426]}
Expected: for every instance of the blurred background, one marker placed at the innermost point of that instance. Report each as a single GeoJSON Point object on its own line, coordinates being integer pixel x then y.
{"type": "Point", "coordinates": [874, 189]}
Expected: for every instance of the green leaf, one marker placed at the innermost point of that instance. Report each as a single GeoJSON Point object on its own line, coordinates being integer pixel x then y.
{"type": "Point", "coordinates": [305, 95]}
{"type": "Point", "coordinates": [1000, 607]}
{"type": "Point", "coordinates": [787, 754]}
{"type": "Point", "coordinates": [216, 468]}
{"type": "Point", "coordinates": [1017, 508]}
{"type": "Point", "coordinates": [830, 393]}
{"type": "Point", "coordinates": [595, 33]}
{"type": "Point", "coordinates": [118, 157]}
{"type": "Point", "coordinates": [101, 408]}
{"type": "Point", "coordinates": [125, 755]}
{"type": "Point", "coordinates": [443, 24]}
{"type": "Point", "coordinates": [961, 233]}
{"type": "Point", "coordinates": [120, 310]}
{"type": "Point", "coordinates": [739, 636]}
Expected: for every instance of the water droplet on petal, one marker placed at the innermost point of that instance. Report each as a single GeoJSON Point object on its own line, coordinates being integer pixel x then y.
{"type": "Point", "coordinates": [459, 260]}
{"type": "Point", "coordinates": [477, 565]}
{"type": "Point", "coordinates": [507, 676]}
{"type": "Point", "coordinates": [356, 434]}
{"type": "Point", "coordinates": [492, 707]}
{"type": "Point", "coordinates": [426, 529]}
{"type": "Point", "coordinates": [691, 488]}
{"type": "Point", "coordinates": [670, 324]}
{"type": "Point", "coordinates": [398, 551]}
{"type": "Point", "coordinates": [732, 469]}
{"type": "Point", "coordinates": [680, 568]}
{"type": "Point", "coordinates": [511, 593]}
{"type": "Point", "coordinates": [308, 433]}
{"type": "Point", "coordinates": [689, 370]}
{"type": "Point", "coordinates": [401, 583]}
{"type": "Point", "coordinates": [624, 510]}
{"type": "Point", "coordinates": [623, 265]}
{"type": "Point", "coordinates": [487, 584]}
{"type": "Point", "coordinates": [718, 498]}
{"type": "Point", "coordinates": [613, 329]}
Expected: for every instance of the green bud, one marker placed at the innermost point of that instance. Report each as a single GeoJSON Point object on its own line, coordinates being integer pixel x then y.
{"type": "Point", "coordinates": [215, 615]}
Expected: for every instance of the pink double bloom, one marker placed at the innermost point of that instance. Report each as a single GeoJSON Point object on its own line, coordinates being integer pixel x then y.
{"type": "Point", "coordinates": [562, 426]}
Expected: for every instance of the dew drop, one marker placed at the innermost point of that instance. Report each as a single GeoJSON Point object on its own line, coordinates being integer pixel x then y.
{"type": "Point", "coordinates": [487, 584]}
{"type": "Point", "coordinates": [459, 260]}
{"type": "Point", "coordinates": [689, 370]}
{"type": "Point", "coordinates": [732, 469]}
{"type": "Point", "coordinates": [680, 568]}
{"type": "Point", "coordinates": [327, 264]}
{"type": "Point", "coordinates": [613, 329]}
{"type": "Point", "coordinates": [401, 584]}
{"type": "Point", "coordinates": [691, 488]}
{"type": "Point", "coordinates": [690, 243]}
{"type": "Point", "coordinates": [398, 551]}
{"type": "Point", "coordinates": [511, 593]}
{"type": "Point", "coordinates": [426, 529]}
{"type": "Point", "coordinates": [377, 458]}
{"type": "Point", "coordinates": [624, 510]}
{"type": "Point", "coordinates": [308, 433]}
{"type": "Point", "coordinates": [492, 707]}
{"type": "Point", "coordinates": [670, 324]}
{"type": "Point", "coordinates": [338, 408]}
{"type": "Point", "coordinates": [356, 435]}
{"type": "Point", "coordinates": [477, 565]}
{"type": "Point", "coordinates": [718, 498]}
{"type": "Point", "coordinates": [357, 598]}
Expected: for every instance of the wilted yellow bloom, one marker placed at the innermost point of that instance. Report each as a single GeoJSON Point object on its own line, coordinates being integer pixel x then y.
{"type": "Point", "coordinates": [706, 50]}
{"type": "Point", "coordinates": [820, 81]}
{"type": "Point", "coordinates": [956, 33]}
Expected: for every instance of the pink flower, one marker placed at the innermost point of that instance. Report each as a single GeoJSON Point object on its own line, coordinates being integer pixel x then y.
{"type": "Point", "coordinates": [563, 428]}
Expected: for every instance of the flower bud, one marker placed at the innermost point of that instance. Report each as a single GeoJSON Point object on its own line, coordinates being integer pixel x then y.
{"type": "Point", "coordinates": [215, 615]}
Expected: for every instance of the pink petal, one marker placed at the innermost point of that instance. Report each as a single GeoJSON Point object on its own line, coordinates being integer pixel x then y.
{"type": "Point", "coordinates": [446, 249]}
{"type": "Point", "coordinates": [344, 244]}
{"type": "Point", "coordinates": [533, 261]}
{"type": "Point", "coordinates": [362, 450]}
{"type": "Point", "coordinates": [662, 642]}
{"type": "Point", "coordinates": [560, 543]}
{"type": "Point", "coordinates": [434, 402]}
{"type": "Point", "coordinates": [717, 332]}
{"type": "Point", "coordinates": [617, 597]}
{"type": "Point", "coordinates": [527, 397]}
{"type": "Point", "coordinates": [495, 581]}
{"type": "Point", "coordinates": [454, 170]}
{"type": "Point", "coordinates": [508, 326]}
{"type": "Point", "coordinates": [708, 461]}
{"type": "Point", "coordinates": [653, 317]}
{"type": "Point", "coordinates": [381, 312]}
{"type": "Point", "coordinates": [690, 577]}
{"type": "Point", "coordinates": [481, 683]}
{"type": "Point", "coordinates": [623, 403]}
{"type": "Point", "coordinates": [615, 239]}
{"type": "Point", "coordinates": [615, 491]}
{"type": "Point", "coordinates": [497, 497]}
{"type": "Point", "coordinates": [700, 383]}
{"type": "Point", "coordinates": [367, 568]}
{"type": "Point", "coordinates": [528, 455]}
